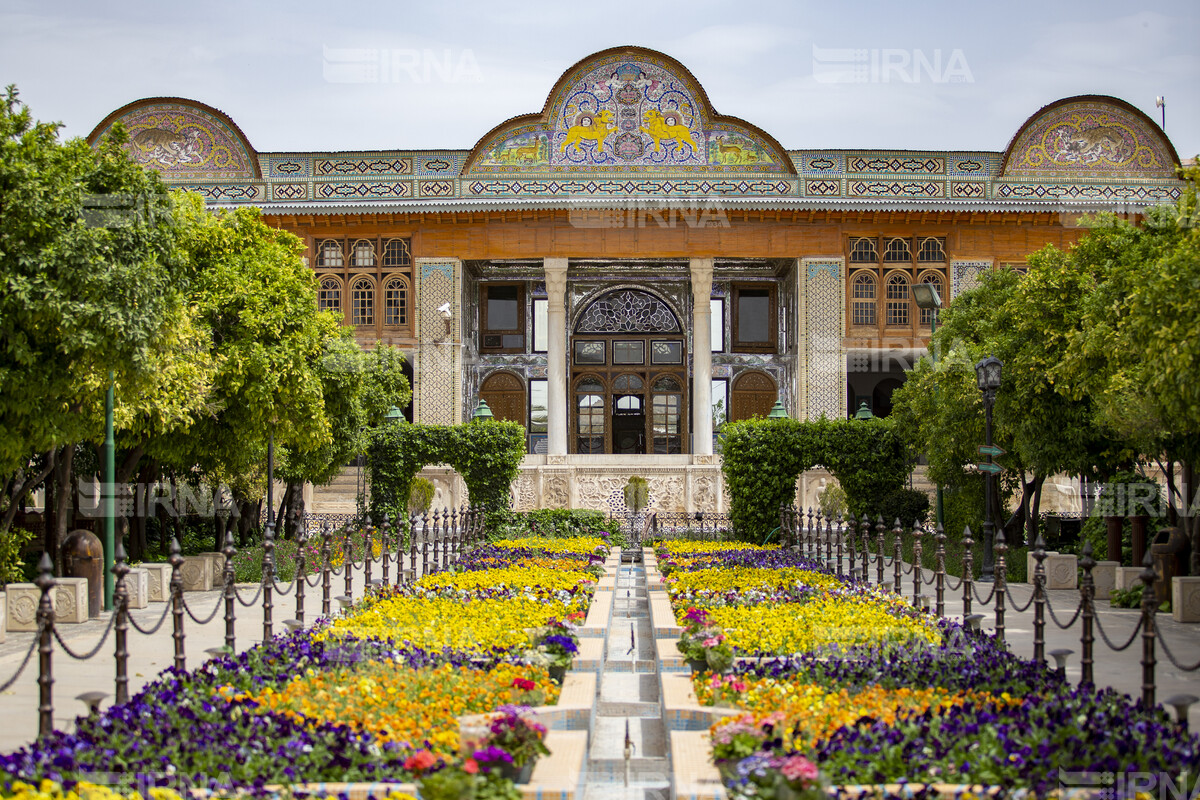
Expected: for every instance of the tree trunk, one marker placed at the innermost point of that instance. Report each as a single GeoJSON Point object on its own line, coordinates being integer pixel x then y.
{"type": "Point", "coordinates": [63, 470]}
{"type": "Point", "coordinates": [1035, 521]}
{"type": "Point", "coordinates": [291, 511]}
{"type": "Point", "coordinates": [1190, 519]}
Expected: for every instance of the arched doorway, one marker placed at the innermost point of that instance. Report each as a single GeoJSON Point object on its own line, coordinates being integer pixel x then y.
{"type": "Point", "coordinates": [753, 395]}
{"type": "Point", "coordinates": [505, 395]}
{"type": "Point", "coordinates": [629, 370]}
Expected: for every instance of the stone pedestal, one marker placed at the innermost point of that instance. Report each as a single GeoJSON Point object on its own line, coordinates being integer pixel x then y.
{"type": "Point", "coordinates": [159, 576]}
{"type": "Point", "coordinates": [1127, 577]}
{"type": "Point", "coordinates": [71, 600]}
{"type": "Point", "coordinates": [196, 573]}
{"type": "Point", "coordinates": [1031, 565]}
{"type": "Point", "coordinates": [1104, 576]}
{"type": "Point", "coordinates": [217, 566]}
{"type": "Point", "coordinates": [1185, 599]}
{"type": "Point", "coordinates": [1061, 571]}
{"type": "Point", "coordinates": [137, 584]}
{"type": "Point", "coordinates": [21, 602]}
{"type": "Point", "coordinates": [3, 617]}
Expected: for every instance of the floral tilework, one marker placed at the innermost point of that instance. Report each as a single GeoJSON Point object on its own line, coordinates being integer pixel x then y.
{"type": "Point", "coordinates": [823, 380]}
{"type": "Point", "coordinates": [437, 373]}
{"type": "Point", "coordinates": [966, 275]}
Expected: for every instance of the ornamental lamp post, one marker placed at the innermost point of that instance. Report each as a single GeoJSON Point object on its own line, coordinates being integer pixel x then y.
{"type": "Point", "coordinates": [482, 412]}
{"type": "Point", "coordinates": [778, 411]}
{"type": "Point", "coordinates": [987, 378]}
{"type": "Point", "coordinates": [925, 295]}
{"type": "Point", "coordinates": [863, 412]}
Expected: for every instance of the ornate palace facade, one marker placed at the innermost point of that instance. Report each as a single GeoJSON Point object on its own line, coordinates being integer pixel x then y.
{"type": "Point", "coordinates": [627, 268]}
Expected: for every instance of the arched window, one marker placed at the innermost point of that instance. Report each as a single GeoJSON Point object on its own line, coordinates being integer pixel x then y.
{"type": "Point", "coordinates": [505, 395]}
{"type": "Point", "coordinates": [329, 296]}
{"type": "Point", "coordinates": [897, 251]}
{"type": "Point", "coordinates": [932, 249]}
{"type": "Point", "coordinates": [666, 412]}
{"type": "Point", "coordinates": [396, 253]}
{"type": "Point", "coordinates": [395, 303]}
{"type": "Point", "coordinates": [863, 294]}
{"type": "Point", "coordinates": [754, 394]}
{"type": "Point", "coordinates": [329, 253]}
{"type": "Point", "coordinates": [862, 251]}
{"type": "Point", "coordinates": [362, 302]}
{"type": "Point", "coordinates": [938, 282]}
{"type": "Point", "coordinates": [898, 300]}
{"type": "Point", "coordinates": [589, 415]}
{"type": "Point", "coordinates": [364, 253]}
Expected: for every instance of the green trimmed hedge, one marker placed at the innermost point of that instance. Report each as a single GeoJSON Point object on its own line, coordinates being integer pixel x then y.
{"type": "Point", "coordinates": [486, 453]}
{"type": "Point", "coordinates": [763, 458]}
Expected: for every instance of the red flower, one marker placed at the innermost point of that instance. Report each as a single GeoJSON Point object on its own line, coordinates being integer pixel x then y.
{"type": "Point", "coordinates": [524, 684]}
{"type": "Point", "coordinates": [471, 766]}
{"type": "Point", "coordinates": [420, 761]}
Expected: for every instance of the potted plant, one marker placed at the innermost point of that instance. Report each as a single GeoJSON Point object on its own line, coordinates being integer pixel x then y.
{"type": "Point", "coordinates": [513, 744]}
{"type": "Point", "coordinates": [704, 644]}
{"type": "Point", "coordinates": [557, 643]}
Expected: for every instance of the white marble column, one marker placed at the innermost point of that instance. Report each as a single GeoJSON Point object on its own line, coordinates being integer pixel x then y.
{"type": "Point", "coordinates": [556, 356]}
{"type": "Point", "coordinates": [702, 272]}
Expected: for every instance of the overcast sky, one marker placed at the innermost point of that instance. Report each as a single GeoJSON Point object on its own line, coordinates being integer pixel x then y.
{"type": "Point", "coordinates": [305, 75]}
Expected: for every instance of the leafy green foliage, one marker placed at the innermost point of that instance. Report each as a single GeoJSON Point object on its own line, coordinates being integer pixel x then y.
{"type": "Point", "coordinates": [487, 454]}
{"type": "Point", "coordinates": [762, 460]}
{"type": "Point", "coordinates": [557, 523]}
{"type": "Point", "coordinates": [637, 493]}
{"type": "Point", "coordinates": [12, 565]}
{"type": "Point", "coordinates": [420, 496]}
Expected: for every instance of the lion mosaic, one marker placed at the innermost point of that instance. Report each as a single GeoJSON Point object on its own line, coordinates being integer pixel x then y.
{"type": "Point", "coordinates": [659, 128]}
{"type": "Point", "coordinates": [597, 130]}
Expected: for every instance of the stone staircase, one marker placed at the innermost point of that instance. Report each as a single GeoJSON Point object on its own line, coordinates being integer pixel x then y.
{"type": "Point", "coordinates": [339, 496]}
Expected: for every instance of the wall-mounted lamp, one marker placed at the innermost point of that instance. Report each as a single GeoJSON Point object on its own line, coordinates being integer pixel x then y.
{"type": "Point", "coordinates": [444, 310]}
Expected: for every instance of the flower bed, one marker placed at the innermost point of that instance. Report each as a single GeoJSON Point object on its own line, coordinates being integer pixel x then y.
{"type": "Point", "coordinates": [862, 689]}
{"type": "Point", "coordinates": [373, 696]}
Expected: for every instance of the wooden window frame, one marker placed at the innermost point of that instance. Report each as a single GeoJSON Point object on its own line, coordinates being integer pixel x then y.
{"type": "Point", "coordinates": [914, 269]}
{"type": "Point", "coordinates": [736, 345]}
{"type": "Point", "coordinates": [405, 307]}
{"type": "Point", "coordinates": [485, 330]}
{"type": "Point", "coordinates": [385, 266]}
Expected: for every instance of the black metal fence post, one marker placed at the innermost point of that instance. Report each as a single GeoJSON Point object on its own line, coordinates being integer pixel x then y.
{"type": "Point", "coordinates": [918, 581]}
{"type": "Point", "coordinates": [45, 624]}
{"type": "Point", "coordinates": [425, 543]}
{"type": "Point", "coordinates": [121, 626]}
{"type": "Point", "coordinates": [347, 565]}
{"type": "Point", "coordinates": [1087, 613]}
{"type": "Point", "coordinates": [784, 537]}
{"type": "Point", "coordinates": [968, 578]}
{"type": "Point", "coordinates": [879, 547]}
{"type": "Point", "coordinates": [865, 529]}
{"type": "Point", "coordinates": [412, 545]}
{"type": "Point", "coordinates": [841, 530]}
{"type": "Point", "coordinates": [326, 569]}
{"type": "Point", "coordinates": [445, 537]}
{"type": "Point", "coordinates": [1149, 609]}
{"type": "Point", "coordinates": [1000, 548]}
{"type": "Point", "coordinates": [230, 593]}
{"type": "Point", "coordinates": [369, 543]}
{"type": "Point", "coordinates": [299, 583]}
{"type": "Point", "coordinates": [897, 557]}
{"type": "Point", "coordinates": [939, 575]}
{"type": "Point", "coordinates": [828, 539]}
{"type": "Point", "coordinates": [851, 537]}
{"type": "Point", "coordinates": [268, 580]}
{"type": "Point", "coordinates": [1039, 600]}
{"type": "Point", "coordinates": [176, 562]}
{"type": "Point", "coordinates": [385, 552]}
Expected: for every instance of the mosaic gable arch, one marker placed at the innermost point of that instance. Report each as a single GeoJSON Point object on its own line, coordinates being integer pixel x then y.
{"type": "Point", "coordinates": [627, 109]}
{"type": "Point", "coordinates": [183, 138]}
{"type": "Point", "coordinates": [1090, 135]}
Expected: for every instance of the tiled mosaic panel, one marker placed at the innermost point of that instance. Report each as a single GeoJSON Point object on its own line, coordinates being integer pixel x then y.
{"type": "Point", "coordinates": [229, 191]}
{"type": "Point", "coordinates": [824, 380]}
{"type": "Point", "coordinates": [438, 390]}
{"type": "Point", "coordinates": [1093, 136]}
{"type": "Point", "coordinates": [1077, 191]}
{"type": "Point", "coordinates": [629, 112]}
{"type": "Point", "coordinates": [601, 187]}
{"type": "Point", "coordinates": [363, 190]}
{"type": "Point", "coordinates": [965, 275]}
{"type": "Point", "coordinates": [186, 140]}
